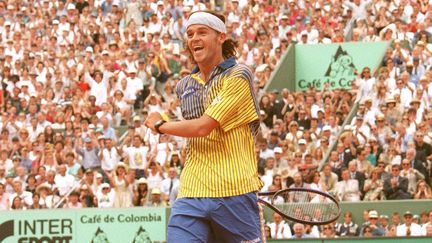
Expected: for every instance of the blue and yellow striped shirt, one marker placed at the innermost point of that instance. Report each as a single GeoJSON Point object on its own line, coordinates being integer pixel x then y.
{"type": "Point", "coordinates": [223, 163]}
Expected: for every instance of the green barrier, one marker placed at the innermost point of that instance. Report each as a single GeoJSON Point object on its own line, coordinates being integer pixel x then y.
{"type": "Point", "coordinates": [336, 64]}
{"type": "Point", "coordinates": [284, 74]}
{"type": "Point", "coordinates": [368, 240]}
{"type": "Point", "coordinates": [84, 225]}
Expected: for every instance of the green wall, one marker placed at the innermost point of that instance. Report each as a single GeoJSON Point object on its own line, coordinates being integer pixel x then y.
{"type": "Point", "coordinates": [284, 74]}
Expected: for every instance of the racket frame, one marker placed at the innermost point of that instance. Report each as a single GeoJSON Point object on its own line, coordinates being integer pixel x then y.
{"type": "Point", "coordinates": [274, 195]}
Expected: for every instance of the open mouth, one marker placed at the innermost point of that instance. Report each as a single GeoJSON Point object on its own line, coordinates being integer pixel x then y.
{"type": "Point", "coordinates": [198, 49]}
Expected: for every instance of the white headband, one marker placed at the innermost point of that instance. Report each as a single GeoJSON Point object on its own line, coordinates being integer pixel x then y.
{"type": "Point", "coordinates": [207, 19]}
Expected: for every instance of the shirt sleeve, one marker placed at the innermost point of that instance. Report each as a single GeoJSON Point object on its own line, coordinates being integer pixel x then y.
{"type": "Point", "coordinates": [234, 105]}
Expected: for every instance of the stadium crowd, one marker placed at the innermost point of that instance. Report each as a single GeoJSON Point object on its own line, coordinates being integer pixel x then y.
{"type": "Point", "coordinates": [73, 73]}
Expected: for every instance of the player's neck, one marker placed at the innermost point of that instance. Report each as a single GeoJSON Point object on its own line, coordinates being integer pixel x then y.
{"type": "Point", "coordinates": [207, 67]}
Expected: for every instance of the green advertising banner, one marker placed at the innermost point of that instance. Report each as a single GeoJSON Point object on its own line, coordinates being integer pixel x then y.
{"type": "Point", "coordinates": [335, 64]}
{"type": "Point", "coordinates": [134, 225]}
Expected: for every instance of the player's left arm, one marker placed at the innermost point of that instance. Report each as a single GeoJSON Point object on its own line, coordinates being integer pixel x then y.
{"type": "Point", "coordinates": [199, 127]}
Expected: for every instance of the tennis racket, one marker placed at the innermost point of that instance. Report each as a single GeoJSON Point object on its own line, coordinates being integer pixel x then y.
{"type": "Point", "coordinates": [302, 205]}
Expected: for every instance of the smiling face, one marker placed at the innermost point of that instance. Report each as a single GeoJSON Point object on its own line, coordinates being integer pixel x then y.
{"type": "Point", "coordinates": [204, 43]}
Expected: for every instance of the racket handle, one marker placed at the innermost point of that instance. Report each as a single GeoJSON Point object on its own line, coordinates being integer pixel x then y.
{"type": "Point", "coordinates": [262, 223]}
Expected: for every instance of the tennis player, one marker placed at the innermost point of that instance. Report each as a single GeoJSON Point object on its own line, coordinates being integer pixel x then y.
{"type": "Point", "coordinates": [217, 199]}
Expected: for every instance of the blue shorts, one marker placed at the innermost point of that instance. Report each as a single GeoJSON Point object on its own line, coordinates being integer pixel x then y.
{"type": "Point", "coordinates": [227, 219]}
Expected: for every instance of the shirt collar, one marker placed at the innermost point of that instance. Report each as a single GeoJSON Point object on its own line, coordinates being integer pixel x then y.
{"type": "Point", "coordinates": [224, 65]}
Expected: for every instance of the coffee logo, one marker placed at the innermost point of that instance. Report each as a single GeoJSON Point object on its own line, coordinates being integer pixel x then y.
{"type": "Point", "coordinates": [142, 236]}
{"type": "Point", "coordinates": [99, 237]}
{"type": "Point", "coordinates": [340, 73]}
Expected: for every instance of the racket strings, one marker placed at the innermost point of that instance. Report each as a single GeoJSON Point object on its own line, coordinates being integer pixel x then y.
{"type": "Point", "coordinates": [307, 206]}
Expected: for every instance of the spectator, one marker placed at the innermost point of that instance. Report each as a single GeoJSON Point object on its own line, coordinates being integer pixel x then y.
{"type": "Point", "coordinates": [328, 178]}
{"type": "Point", "coordinates": [426, 227]}
{"type": "Point", "coordinates": [373, 188]}
{"type": "Point", "coordinates": [106, 197]}
{"type": "Point", "coordinates": [424, 216]}
{"type": "Point", "coordinates": [4, 198]}
{"type": "Point", "coordinates": [265, 151]}
{"type": "Point", "coordinates": [372, 224]}
{"type": "Point", "coordinates": [288, 173]}
{"type": "Point", "coordinates": [412, 175]}
{"type": "Point", "coordinates": [396, 219]}
{"type": "Point", "coordinates": [120, 180]}
{"type": "Point", "coordinates": [315, 182]}
{"type": "Point", "coordinates": [154, 175]}
{"type": "Point", "coordinates": [367, 231]}
{"type": "Point", "coordinates": [396, 187]}
{"type": "Point", "coordinates": [408, 228]}
{"type": "Point", "coordinates": [19, 192]}
{"type": "Point", "coordinates": [17, 204]}
{"type": "Point", "coordinates": [89, 180]}
{"type": "Point", "coordinates": [428, 231]}
{"type": "Point", "coordinates": [335, 161]}
{"type": "Point", "coordinates": [163, 150]}
{"type": "Point", "coordinates": [87, 196]}
{"type": "Point", "coordinates": [382, 174]}
{"type": "Point", "coordinates": [363, 165]}
{"type": "Point", "coordinates": [402, 136]}
{"type": "Point", "coordinates": [311, 230]}
{"type": "Point", "coordinates": [347, 151]}
{"type": "Point", "coordinates": [176, 161]}
{"type": "Point", "coordinates": [137, 156]}
{"type": "Point", "coordinates": [348, 227]}
{"type": "Point", "coordinates": [141, 193]}
{"type": "Point", "coordinates": [299, 231]}
{"type": "Point", "coordinates": [169, 186]}
{"type": "Point", "coordinates": [72, 166]}
{"type": "Point", "coordinates": [417, 160]}
{"type": "Point", "coordinates": [328, 232]}
{"type": "Point", "coordinates": [31, 183]}
{"type": "Point", "coordinates": [299, 182]}
{"type": "Point", "coordinates": [392, 231]}
{"type": "Point", "coordinates": [109, 155]}
{"type": "Point", "coordinates": [277, 182]}
{"type": "Point", "coordinates": [269, 172]}
{"type": "Point", "coordinates": [423, 190]}
{"type": "Point", "coordinates": [384, 222]}
{"type": "Point", "coordinates": [267, 232]}
{"type": "Point", "coordinates": [63, 181]}
{"type": "Point", "coordinates": [47, 198]}
{"type": "Point", "coordinates": [155, 199]}
{"type": "Point", "coordinates": [72, 201]}
{"type": "Point", "coordinates": [416, 219]}
{"type": "Point", "coordinates": [278, 228]}
{"type": "Point", "coordinates": [36, 202]}
{"type": "Point", "coordinates": [89, 153]}
{"type": "Point", "coordinates": [355, 174]}
{"type": "Point", "coordinates": [273, 141]}
{"type": "Point", "coordinates": [347, 189]}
